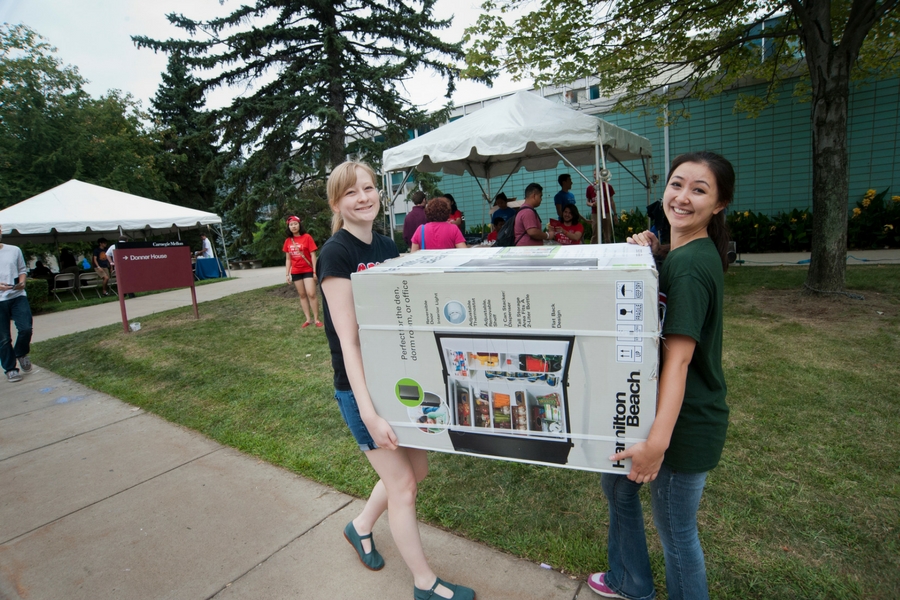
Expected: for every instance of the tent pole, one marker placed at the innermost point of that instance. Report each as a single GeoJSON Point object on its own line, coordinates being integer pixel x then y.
{"type": "Point", "coordinates": [386, 182]}
{"type": "Point", "coordinates": [508, 176]}
{"type": "Point", "coordinates": [647, 179]}
{"type": "Point", "coordinates": [487, 202]}
{"type": "Point", "coordinates": [597, 188]}
{"type": "Point", "coordinates": [568, 162]}
{"type": "Point", "coordinates": [602, 174]}
{"type": "Point", "coordinates": [224, 250]}
{"type": "Point", "coordinates": [610, 154]}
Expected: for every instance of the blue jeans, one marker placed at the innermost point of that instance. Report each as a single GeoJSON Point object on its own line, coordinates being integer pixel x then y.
{"type": "Point", "coordinates": [350, 413]}
{"type": "Point", "coordinates": [18, 311]}
{"type": "Point", "coordinates": [675, 498]}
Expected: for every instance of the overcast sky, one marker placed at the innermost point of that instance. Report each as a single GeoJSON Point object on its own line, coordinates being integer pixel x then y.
{"type": "Point", "coordinates": [95, 36]}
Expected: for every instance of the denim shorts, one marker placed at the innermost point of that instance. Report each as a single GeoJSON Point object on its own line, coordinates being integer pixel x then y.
{"type": "Point", "coordinates": [350, 412]}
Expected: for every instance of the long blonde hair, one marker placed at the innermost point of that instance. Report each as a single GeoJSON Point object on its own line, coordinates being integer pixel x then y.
{"type": "Point", "coordinates": [342, 178]}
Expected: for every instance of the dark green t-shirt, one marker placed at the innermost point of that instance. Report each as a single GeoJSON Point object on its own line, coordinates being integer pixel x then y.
{"type": "Point", "coordinates": [691, 286]}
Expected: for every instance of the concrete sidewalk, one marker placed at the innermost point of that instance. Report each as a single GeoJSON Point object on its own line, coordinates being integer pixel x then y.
{"type": "Point", "coordinates": [100, 500]}
{"type": "Point", "coordinates": [81, 319]}
{"type": "Point", "coordinates": [854, 257]}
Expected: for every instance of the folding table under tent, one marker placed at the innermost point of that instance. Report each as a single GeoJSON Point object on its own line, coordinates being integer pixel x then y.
{"type": "Point", "coordinates": [521, 131]}
{"type": "Point", "coordinates": [78, 211]}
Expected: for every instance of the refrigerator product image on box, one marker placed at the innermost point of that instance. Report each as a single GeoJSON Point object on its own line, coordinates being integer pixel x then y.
{"type": "Point", "coordinates": [507, 395]}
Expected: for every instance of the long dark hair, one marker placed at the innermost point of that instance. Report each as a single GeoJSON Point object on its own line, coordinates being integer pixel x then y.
{"type": "Point", "coordinates": [576, 216]}
{"type": "Point", "coordinates": [724, 174]}
{"type": "Point", "coordinates": [452, 201]}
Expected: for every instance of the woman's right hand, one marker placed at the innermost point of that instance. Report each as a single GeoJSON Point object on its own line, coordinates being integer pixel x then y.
{"type": "Point", "coordinates": [288, 278]}
{"type": "Point", "coordinates": [382, 432]}
{"type": "Point", "coordinates": [645, 238]}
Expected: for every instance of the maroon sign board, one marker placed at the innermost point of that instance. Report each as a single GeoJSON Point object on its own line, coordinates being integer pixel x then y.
{"type": "Point", "coordinates": [149, 266]}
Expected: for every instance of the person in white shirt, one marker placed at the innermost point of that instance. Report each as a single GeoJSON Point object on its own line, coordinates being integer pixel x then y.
{"type": "Point", "coordinates": [206, 252]}
{"type": "Point", "coordinates": [14, 307]}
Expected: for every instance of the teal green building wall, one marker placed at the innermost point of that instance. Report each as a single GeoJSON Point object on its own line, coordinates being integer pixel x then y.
{"type": "Point", "coordinates": [772, 153]}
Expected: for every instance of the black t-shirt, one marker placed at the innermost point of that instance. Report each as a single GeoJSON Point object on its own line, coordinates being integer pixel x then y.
{"type": "Point", "coordinates": [100, 255]}
{"type": "Point", "coordinates": [342, 255]}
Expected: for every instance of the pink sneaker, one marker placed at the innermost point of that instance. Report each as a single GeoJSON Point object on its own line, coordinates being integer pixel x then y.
{"type": "Point", "coordinates": [598, 585]}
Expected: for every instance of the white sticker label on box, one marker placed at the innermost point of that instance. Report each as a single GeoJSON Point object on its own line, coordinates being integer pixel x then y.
{"type": "Point", "coordinates": [629, 354]}
{"type": "Point", "coordinates": [629, 332]}
{"type": "Point", "coordinates": [629, 290]}
{"type": "Point", "coordinates": [627, 311]}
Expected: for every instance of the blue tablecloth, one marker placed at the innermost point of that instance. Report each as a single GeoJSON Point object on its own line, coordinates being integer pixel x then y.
{"type": "Point", "coordinates": [209, 268]}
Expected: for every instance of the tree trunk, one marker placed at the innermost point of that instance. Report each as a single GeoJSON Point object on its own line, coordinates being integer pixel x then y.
{"type": "Point", "coordinates": [831, 95]}
{"type": "Point", "coordinates": [334, 118]}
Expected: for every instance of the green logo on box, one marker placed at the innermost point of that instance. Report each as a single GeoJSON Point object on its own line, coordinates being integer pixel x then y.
{"type": "Point", "coordinates": [409, 392]}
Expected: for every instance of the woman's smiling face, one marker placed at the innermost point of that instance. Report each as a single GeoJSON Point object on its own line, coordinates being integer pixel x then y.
{"type": "Point", "coordinates": [691, 198]}
{"type": "Point", "coordinates": [360, 202]}
{"type": "Point", "coordinates": [294, 226]}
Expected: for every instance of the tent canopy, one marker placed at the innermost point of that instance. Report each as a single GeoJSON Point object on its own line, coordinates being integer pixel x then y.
{"type": "Point", "coordinates": [521, 131]}
{"type": "Point", "coordinates": [81, 211]}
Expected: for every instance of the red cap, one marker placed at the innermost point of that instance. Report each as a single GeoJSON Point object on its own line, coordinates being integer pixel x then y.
{"type": "Point", "coordinates": [292, 218]}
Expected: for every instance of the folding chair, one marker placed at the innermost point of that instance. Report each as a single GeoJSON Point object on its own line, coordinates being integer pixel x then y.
{"type": "Point", "coordinates": [64, 282]}
{"type": "Point", "coordinates": [89, 280]}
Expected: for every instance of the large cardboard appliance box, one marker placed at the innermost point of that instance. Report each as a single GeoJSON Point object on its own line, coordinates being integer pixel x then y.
{"type": "Point", "coordinates": [545, 355]}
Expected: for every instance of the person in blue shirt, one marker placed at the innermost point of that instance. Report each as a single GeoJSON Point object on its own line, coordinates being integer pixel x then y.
{"type": "Point", "coordinates": [563, 197]}
{"type": "Point", "coordinates": [503, 210]}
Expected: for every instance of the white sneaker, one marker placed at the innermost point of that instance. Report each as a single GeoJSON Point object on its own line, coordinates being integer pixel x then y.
{"type": "Point", "coordinates": [25, 363]}
{"type": "Point", "coordinates": [13, 375]}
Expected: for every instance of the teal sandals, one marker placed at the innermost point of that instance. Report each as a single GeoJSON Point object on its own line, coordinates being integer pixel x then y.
{"type": "Point", "coordinates": [460, 592]}
{"type": "Point", "coordinates": [372, 560]}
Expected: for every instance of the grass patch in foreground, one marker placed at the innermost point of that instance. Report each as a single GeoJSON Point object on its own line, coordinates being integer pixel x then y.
{"type": "Point", "coordinates": [805, 503]}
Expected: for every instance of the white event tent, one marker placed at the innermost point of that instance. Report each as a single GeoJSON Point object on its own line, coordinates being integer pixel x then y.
{"type": "Point", "coordinates": [521, 131]}
{"type": "Point", "coordinates": [82, 211]}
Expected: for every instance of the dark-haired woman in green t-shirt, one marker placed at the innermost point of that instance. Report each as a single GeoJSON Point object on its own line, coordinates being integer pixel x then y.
{"type": "Point", "coordinates": [688, 435]}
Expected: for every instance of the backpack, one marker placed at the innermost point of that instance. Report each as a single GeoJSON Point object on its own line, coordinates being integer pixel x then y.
{"type": "Point", "coordinates": [507, 234]}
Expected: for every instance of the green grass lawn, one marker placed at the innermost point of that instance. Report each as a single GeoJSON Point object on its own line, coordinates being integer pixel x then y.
{"type": "Point", "coordinates": [805, 503]}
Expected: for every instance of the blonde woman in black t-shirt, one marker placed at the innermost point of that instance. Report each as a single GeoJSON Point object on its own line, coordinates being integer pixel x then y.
{"type": "Point", "coordinates": [355, 247]}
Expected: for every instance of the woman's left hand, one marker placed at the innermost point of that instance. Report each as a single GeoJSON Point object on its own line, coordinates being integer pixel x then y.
{"type": "Point", "coordinates": [382, 433]}
{"type": "Point", "coordinates": [646, 461]}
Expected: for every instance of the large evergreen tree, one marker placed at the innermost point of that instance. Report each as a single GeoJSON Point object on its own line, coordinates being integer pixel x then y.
{"type": "Point", "coordinates": [649, 53]}
{"type": "Point", "coordinates": [322, 74]}
{"type": "Point", "coordinates": [188, 138]}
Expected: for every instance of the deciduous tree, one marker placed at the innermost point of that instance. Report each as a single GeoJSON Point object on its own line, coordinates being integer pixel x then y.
{"type": "Point", "coordinates": [52, 131]}
{"type": "Point", "coordinates": [647, 53]}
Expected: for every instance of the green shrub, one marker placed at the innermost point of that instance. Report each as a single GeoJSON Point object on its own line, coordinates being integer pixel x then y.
{"type": "Point", "coordinates": [38, 292]}
{"type": "Point", "coordinates": [874, 222]}
{"type": "Point", "coordinates": [784, 232]}
{"type": "Point", "coordinates": [630, 223]}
